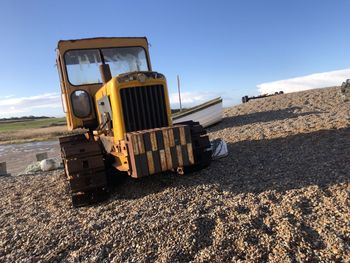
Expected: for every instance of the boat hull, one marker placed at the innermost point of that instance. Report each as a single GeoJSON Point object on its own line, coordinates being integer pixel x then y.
{"type": "Point", "coordinates": [206, 114]}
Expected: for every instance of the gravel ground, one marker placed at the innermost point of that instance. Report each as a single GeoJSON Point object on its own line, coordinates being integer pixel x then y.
{"type": "Point", "coordinates": [282, 195]}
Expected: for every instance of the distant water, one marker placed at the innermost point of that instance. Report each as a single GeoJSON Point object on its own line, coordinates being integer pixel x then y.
{"type": "Point", "coordinates": [19, 156]}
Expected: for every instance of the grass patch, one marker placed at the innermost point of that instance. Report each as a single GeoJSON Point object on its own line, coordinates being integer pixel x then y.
{"type": "Point", "coordinates": [6, 126]}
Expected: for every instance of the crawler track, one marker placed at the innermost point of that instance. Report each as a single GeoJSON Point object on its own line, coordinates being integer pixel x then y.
{"type": "Point", "coordinates": [201, 146]}
{"type": "Point", "coordinates": [84, 167]}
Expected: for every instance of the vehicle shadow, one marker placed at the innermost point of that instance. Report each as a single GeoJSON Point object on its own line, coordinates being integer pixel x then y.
{"type": "Point", "coordinates": [319, 158]}
{"type": "Point", "coordinates": [265, 116]}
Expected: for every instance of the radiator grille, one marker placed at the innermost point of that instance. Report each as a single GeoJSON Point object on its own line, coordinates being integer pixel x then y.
{"type": "Point", "coordinates": [144, 107]}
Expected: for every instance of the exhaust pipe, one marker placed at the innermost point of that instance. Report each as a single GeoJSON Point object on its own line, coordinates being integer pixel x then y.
{"type": "Point", "coordinates": [105, 72]}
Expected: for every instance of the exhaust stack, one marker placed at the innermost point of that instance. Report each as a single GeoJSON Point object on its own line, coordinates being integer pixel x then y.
{"type": "Point", "coordinates": [105, 72]}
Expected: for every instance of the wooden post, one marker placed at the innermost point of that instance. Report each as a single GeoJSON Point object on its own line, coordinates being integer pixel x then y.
{"type": "Point", "coordinates": [41, 156]}
{"type": "Point", "coordinates": [3, 170]}
{"type": "Point", "coordinates": [178, 88]}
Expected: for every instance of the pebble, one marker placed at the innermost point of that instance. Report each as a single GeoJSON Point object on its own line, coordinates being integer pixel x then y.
{"type": "Point", "coordinates": [281, 195]}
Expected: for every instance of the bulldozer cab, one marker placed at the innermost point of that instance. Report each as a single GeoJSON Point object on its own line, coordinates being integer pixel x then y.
{"type": "Point", "coordinates": [78, 63]}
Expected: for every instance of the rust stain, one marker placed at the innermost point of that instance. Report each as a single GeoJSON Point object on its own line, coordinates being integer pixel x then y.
{"type": "Point", "coordinates": [179, 155]}
{"type": "Point", "coordinates": [150, 162]}
{"type": "Point", "coordinates": [182, 135]}
{"type": "Point", "coordinates": [190, 153]}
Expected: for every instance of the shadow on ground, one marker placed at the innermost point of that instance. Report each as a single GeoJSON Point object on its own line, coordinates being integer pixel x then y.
{"type": "Point", "coordinates": [265, 116]}
{"type": "Point", "coordinates": [319, 158]}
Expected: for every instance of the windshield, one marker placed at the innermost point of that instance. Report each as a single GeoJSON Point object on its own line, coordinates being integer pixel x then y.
{"type": "Point", "coordinates": [83, 65]}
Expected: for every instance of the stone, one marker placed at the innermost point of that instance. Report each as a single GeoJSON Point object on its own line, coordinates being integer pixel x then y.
{"type": "Point", "coordinates": [48, 165]}
{"type": "Point", "coordinates": [41, 156]}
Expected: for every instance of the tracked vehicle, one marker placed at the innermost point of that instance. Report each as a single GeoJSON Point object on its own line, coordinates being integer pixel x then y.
{"type": "Point", "coordinates": [109, 89]}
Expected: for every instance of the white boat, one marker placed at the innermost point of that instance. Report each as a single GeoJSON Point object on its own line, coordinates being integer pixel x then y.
{"type": "Point", "coordinates": [206, 114]}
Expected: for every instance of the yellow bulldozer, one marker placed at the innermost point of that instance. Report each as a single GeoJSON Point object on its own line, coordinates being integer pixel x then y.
{"type": "Point", "coordinates": [109, 89]}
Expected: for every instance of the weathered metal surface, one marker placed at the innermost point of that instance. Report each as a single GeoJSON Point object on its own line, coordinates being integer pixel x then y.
{"type": "Point", "coordinates": [200, 148]}
{"type": "Point", "coordinates": [82, 165]}
{"type": "Point", "coordinates": [144, 107]}
{"type": "Point", "coordinates": [85, 170]}
{"type": "Point", "coordinates": [107, 142]}
{"type": "Point", "coordinates": [167, 149]}
{"type": "Point", "coordinates": [80, 183]}
{"type": "Point", "coordinates": [81, 149]}
{"type": "Point", "coordinates": [157, 150]}
{"type": "Point", "coordinates": [72, 138]}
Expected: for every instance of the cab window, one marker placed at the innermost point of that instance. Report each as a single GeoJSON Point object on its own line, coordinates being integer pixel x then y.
{"type": "Point", "coordinates": [83, 65]}
{"type": "Point", "coordinates": [81, 103]}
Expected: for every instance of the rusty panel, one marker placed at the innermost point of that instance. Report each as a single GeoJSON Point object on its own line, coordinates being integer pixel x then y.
{"type": "Point", "coordinates": [84, 183]}
{"type": "Point", "coordinates": [167, 149]}
{"type": "Point", "coordinates": [85, 164]}
{"type": "Point", "coordinates": [150, 163]}
{"type": "Point", "coordinates": [161, 149]}
{"type": "Point", "coordinates": [160, 140]}
{"type": "Point", "coordinates": [140, 142]}
{"type": "Point", "coordinates": [137, 156]}
{"type": "Point", "coordinates": [141, 164]}
{"type": "Point", "coordinates": [72, 138]}
{"type": "Point", "coordinates": [179, 155]}
{"type": "Point", "coordinates": [188, 134]}
{"type": "Point", "coordinates": [82, 149]}
{"type": "Point", "coordinates": [153, 138]}
{"type": "Point", "coordinates": [133, 152]}
{"type": "Point", "coordinates": [134, 144]}
{"type": "Point", "coordinates": [174, 158]}
{"type": "Point", "coordinates": [150, 139]}
{"type": "Point", "coordinates": [156, 161]}
{"type": "Point", "coordinates": [182, 135]}
{"type": "Point", "coordinates": [176, 134]}
{"type": "Point", "coordinates": [171, 138]}
{"type": "Point", "coordinates": [163, 162]}
{"type": "Point", "coordinates": [142, 157]}
{"type": "Point", "coordinates": [185, 159]}
{"type": "Point", "coordinates": [147, 141]}
{"type": "Point", "coordinates": [190, 153]}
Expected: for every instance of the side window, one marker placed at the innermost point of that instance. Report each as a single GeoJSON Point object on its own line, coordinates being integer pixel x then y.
{"type": "Point", "coordinates": [81, 103]}
{"type": "Point", "coordinates": [83, 66]}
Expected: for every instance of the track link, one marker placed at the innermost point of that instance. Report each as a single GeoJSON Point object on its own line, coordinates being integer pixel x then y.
{"type": "Point", "coordinates": [84, 167]}
{"type": "Point", "coordinates": [201, 146]}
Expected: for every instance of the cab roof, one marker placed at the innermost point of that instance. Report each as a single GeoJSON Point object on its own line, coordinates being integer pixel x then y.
{"type": "Point", "coordinates": [101, 42]}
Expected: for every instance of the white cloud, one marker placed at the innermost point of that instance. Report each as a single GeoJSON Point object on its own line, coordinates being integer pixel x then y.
{"type": "Point", "coordinates": [318, 80]}
{"type": "Point", "coordinates": [193, 98]}
{"type": "Point", "coordinates": [49, 104]}
{"type": "Point", "coordinates": [11, 106]}
{"type": "Point", "coordinates": [6, 97]}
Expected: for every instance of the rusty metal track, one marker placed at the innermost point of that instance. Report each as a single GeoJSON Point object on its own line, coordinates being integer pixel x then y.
{"type": "Point", "coordinates": [200, 145]}
{"type": "Point", "coordinates": [85, 169]}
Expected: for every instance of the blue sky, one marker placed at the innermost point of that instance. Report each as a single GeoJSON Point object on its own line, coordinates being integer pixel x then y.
{"type": "Point", "coordinates": [226, 48]}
